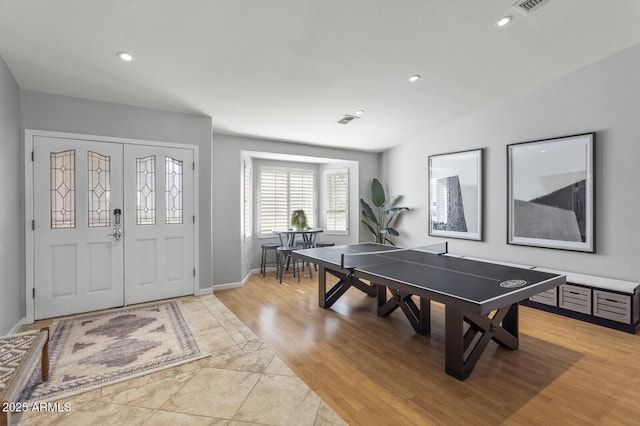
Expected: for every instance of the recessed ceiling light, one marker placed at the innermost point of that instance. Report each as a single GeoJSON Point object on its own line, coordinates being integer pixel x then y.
{"type": "Point", "coordinates": [503, 21]}
{"type": "Point", "coordinates": [359, 112]}
{"type": "Point", "coordinates": [414, 77]}
{"type": "Point", "coordinates": [127, 57]}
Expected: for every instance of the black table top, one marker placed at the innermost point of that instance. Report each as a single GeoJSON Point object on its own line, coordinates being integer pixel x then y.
{"type": "Point", "coordinates": [484, 285]}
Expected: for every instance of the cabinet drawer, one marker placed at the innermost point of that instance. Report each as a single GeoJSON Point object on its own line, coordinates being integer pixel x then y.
{"type": "Point", "coordinates": [549, 297]}
{"type": "Point", "coordinates": [616, 307]}
{"type": "Point", "coordinates": [575, 298]}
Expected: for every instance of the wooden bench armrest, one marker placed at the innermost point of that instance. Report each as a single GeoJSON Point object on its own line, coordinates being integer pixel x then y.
{"type": "Point", "coordinates": [38, 350]}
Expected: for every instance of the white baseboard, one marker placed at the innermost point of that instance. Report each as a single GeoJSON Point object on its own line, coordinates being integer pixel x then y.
{"type": "Point", "coordinates": [16, 328]}
{"type": "Point", "coordinates": [228, 286]}
{"type": "Point", "coordinates": [204, 291]}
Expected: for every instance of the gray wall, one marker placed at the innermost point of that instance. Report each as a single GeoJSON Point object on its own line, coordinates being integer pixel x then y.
{"type": "Point", "coordinates": [43, 111]}
{"type": "Point", "coordinates": [11, 242]}
{"type": "Point", "coordinates": [603, 97]}
{"type": "Point", "coordinates": [228, 250]}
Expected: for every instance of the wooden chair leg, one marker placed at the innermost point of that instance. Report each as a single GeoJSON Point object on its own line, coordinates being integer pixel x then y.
{"type": "Point", "coordinates": [5, 416]}
{"type": "Point", "coordinates": [45, 356]}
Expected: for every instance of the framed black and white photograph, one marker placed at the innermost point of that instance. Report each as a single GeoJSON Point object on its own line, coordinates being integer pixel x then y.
{"type": "Point", "coordinates": [455, 194]}
{"type": "Point", "coordinates": [551, 193]}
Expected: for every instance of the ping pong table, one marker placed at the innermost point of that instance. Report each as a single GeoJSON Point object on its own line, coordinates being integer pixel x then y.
{"type": "Point", "coordinates": [482, 295]}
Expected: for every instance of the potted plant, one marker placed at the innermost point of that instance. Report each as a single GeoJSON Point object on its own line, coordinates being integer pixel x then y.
{"type": "Point", "coordinates": [299, 220]}
{"type": "Point", "coordinates": [380, 219]}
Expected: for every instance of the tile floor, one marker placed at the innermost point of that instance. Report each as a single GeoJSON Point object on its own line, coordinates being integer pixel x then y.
{"type": "Point", "coordinates": [242, 383]}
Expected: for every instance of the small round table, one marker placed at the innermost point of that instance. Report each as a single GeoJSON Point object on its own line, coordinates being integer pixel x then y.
{"type": "Point", "coordinates": [288, 236]}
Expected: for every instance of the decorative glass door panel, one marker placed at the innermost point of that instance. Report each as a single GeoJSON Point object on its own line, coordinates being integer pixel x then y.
{"type": "Point", "coordinates": [63, 189]}
{"type": "Point", "coordinates": [146, 190]}
{"type": "Point", "coordinates": [99, 190]}
{"type": "Point", "coordinates": [173, 189]}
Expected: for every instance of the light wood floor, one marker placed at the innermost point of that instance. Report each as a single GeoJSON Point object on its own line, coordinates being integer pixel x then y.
{"type": "Point", "coordinates": [374, 370]}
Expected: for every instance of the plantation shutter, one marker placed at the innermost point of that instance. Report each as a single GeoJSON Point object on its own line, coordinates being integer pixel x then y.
{"type": "Point", "coordinates": [302, 194]}
{"type": "Point", "coordinates": [337, 201]}
{"type": "Point", "coordinates": [247, 204]}
{"type": "Point", "coordinates": [274, 211]}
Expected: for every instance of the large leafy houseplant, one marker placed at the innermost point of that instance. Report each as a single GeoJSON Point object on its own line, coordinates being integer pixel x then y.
{"type": "Point", "coordinates": [380, 219]}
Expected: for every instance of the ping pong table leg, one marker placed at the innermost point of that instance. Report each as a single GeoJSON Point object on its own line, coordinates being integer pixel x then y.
{"type": "Point", "coordinates": [322, 287]}
{"type": "Point", "coordinates": [419, 318]}
{"type": "Point", "coordinates": [510, 325]}
{"type": "Point", "coordinates": [454, 364]}
{"type": "Point", "coordinates": [502, 327]}
{"type": "Point", "coordinates": [346, 281]}
{"type": "Point", "coordinates": [425, 314]}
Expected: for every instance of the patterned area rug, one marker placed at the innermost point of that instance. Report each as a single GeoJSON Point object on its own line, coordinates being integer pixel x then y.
{"type": "Point", "coordinates": [95, 350]}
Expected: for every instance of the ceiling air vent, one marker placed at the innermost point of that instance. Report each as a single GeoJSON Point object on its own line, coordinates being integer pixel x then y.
{"type": "Point", "coordinates": [347, 119]}
{"type": "Point", "coordinates": [529, 6]}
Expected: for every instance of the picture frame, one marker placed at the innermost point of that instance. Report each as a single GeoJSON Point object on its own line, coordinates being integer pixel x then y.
{"type": "Point", "coordinates": [551, 193]}
{"type": "Point", "coordinates": [456, 194]}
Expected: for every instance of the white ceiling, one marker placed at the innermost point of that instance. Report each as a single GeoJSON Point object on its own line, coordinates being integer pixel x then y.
{"type": "Point", "coordinates": [290, 69]}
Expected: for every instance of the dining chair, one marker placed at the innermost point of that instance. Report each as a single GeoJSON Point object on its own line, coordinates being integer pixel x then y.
{"type": "Point", "coordinates": [284, 258]}
{"type": "Point", "coordinates": [308, 241]}
{"type": "Point", "coordinates": [266, 248]}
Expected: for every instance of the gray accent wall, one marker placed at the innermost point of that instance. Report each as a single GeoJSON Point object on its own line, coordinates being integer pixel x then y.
{"type": "Point", "coordinates": [12, 293]}
{"type": "Point", "coordinates": [602, 97]}
{"type": "Point", "coordinates": [42, 111]}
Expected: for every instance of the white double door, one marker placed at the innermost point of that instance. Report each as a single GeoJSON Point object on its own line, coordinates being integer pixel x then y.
{"type": "Point", "coordinates": [113, 224]}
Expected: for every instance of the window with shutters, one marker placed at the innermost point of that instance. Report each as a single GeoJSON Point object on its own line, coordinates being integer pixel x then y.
{"type": "Point", "coordinates": [247, 202]}
{"type": "Point", "coordinates": [337, 201]}
{"type": "Point", "coordinates": [302, 194]}
{"type": "Point", "coordinates": [283, 190]}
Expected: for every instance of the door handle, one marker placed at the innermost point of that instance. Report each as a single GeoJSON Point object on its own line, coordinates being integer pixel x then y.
{"type": "Point", "coordinates": [117, 234]}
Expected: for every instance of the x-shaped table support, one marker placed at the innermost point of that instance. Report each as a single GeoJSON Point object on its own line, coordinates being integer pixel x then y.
{"type": "Point", "coordinates": [347, 280]}
{"type": "Point", "coordinates": [463, 349]}
{"type": "Point", "coordinates": [418, 317]}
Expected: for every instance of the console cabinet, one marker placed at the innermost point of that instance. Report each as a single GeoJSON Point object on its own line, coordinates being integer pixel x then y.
{"type": "Point", "coordinates": [603, 301]}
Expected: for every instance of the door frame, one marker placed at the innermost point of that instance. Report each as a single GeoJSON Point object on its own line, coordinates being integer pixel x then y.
{"type": "Point", "coordinates": [29, 135]}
